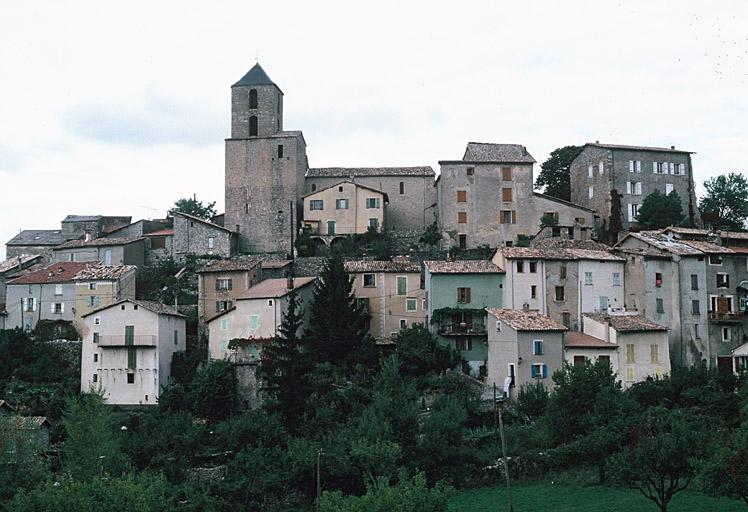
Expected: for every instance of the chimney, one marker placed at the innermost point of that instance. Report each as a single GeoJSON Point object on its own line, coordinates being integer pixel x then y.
{"type": "Point", "coordinates": [672, 147]}
{"type": "Point", "coordinates": [597, 142]}
{"type": "Point", "coordinates": [289, 282]}
{"type": "Point", "coordinates": [88, 236]}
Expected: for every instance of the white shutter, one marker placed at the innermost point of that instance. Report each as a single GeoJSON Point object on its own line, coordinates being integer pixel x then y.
{"type": "Point", "coordinates": [23, 304]}
{"type": "Point", "coordinates": [34, 303]}
{"type": "Point", "coordinates": [631, 213]}
{"type": "Point", "coordinates": [602, 167]}
{"type": "Point", "coordinates": [62, 307]}
{"type": "Point", "coordinates": [654, 167]}
{"type": "Point", "coordinates": [628, 187]}
{"type": "Point", "coordinates": [638, 166]}
{"type": "Point", "coordinates": [682, 169]}
{"type": "Point", "coordinates": [589, 171]}
{"type": "Point", "coordinates": [672, 168]}
{"type": "Point", "coordinates": [631, 166]}
{"type": "Point", "coordinates": [52, 307]}
{"type": "Point", "coordinates": [638, 188]}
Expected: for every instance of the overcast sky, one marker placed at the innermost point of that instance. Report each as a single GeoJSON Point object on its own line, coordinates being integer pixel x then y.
{"type": "Point", "coordinates": [121, 108]}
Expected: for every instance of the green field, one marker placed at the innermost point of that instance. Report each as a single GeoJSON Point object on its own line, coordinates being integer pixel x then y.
{"type": "Point", "coordinates": [544, 497]}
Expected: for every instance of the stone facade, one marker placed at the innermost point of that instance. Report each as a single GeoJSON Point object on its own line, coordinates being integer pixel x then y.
{"type": "Point", "coordinates": [108, 251]}
{"type": "Point", "coordinates": [633, 172]}
{"type": "Point", "coordinates": [193, 235]}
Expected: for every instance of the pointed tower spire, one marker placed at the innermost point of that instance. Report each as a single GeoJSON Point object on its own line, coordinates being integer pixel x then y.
{"type": "Point", "coordinates": [255, 76]}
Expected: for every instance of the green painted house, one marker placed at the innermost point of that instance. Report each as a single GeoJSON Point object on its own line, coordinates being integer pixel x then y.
{"type": "Point", "coordinates": [457, 293]}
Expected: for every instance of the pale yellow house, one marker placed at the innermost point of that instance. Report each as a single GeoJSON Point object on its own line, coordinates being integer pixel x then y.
{"type": "Point", "coordinates": [344, 209]}
{"type": "Point", "coordinates": [97, 286]}
{"type": "Point", "coordinates": [391, 293]}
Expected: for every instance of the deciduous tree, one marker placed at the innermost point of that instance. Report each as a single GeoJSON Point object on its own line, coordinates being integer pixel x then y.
{"type": "Point", "coordinates": [554, 172]}
{"type": "Point", "coordinates": [192, 206]}
{"type": "Point", "coordinates": [659, 210]}
{"type": "Point", "coordinates": [727, 199]}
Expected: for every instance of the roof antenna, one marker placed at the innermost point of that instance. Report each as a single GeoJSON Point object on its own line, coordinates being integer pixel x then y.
{"type": "Point", "coordinates": [257, 56]}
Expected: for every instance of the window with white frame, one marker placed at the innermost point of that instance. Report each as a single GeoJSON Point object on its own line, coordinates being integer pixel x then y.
{"type": "Point", "coordinates": [616, 279]}
{"type": "Point", "coordinates": [372, 202]}
{"type": "Point", "coordinates": [58, 289]}
{"type": "Point", "coordinates": [603, 300]}
{"type": "Point", "coordinates": [715, 259]}
{"type": "Point", "coordinates": [588, 278]}
{"type": "Point", "coordinates": [29, 304]}
{"type": "Point", "coordinates": [316, 204]}
{"type": "Point", "coordinates": [57, 308]}
{"type": "Point", "coordinates": [411, 304]}
{"type": "Point", "coordinates": [601, 167]}
{"type": "Point", "coordinates": [224, 324]}
{"type": "Point", "coordinates": [223, 284]}
{"type": "Point", "coordinates": [211, 242]}
{"type": "Point", "coordinates": [682, 169]}
{"type": "Point", "coordinates": [341, 204]}
{"type": "Point", "coordinates": [668, 188]}
{"type": "Point", "coordinates": [633, 212]}
{"type": "Point", "coordinates": [538, 371]}
{"type": "Point", "coordinates": [537, 347]}
{"type": "Point", "coordinates": [634, 188]}
{"type": "Point", "coordinates": [635, 166]}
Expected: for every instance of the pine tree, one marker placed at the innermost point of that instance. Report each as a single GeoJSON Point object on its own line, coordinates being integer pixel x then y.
{"type": "Point", "coordinates": [284, 367]}
{"type": "Point", "coordinates": [336, 326]}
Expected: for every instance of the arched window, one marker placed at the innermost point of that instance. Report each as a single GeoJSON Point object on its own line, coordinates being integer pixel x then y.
{"type": "Point", "coordinates": [253, 126]}
{"type": "Point", "coordinates": [253, 98]}
{"type": "Point", "coordinates": [314, 187]}
{"type": "Point", "coordinates": [402, 187]}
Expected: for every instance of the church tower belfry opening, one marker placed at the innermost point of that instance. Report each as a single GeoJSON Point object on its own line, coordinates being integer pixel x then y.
{"type": "Point", "coordinates": [256, 105]}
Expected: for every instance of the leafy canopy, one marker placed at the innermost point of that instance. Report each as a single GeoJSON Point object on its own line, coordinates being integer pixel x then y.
{"type": "Point", "coordinates": [554, 172]}
{"type": "Point", "coordinates": [659, 210]}
{"type": "Point", "coordinates": [726, 199]}
{"type": "Point", "coordinates": [192, 206]}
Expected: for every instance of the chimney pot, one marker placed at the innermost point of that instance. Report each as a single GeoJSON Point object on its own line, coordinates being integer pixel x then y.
{"type": "Point", "coordinates": [597, 142]}
{"type": "Point", "coordinates": [672, 147]}
{"type": "Point", "coordinates": [88, 236]}
{"type": "Point", "coordinates": [289, 283]}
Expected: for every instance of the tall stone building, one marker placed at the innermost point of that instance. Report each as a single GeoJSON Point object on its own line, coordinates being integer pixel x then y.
{"type": "Point", "coordinates": [265, 167]}
{"type": "Point", "coordinates": [614, 180]}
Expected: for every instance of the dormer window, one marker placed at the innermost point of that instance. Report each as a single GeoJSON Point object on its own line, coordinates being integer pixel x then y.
{"type": "Point", "coordinates": [253, 98]}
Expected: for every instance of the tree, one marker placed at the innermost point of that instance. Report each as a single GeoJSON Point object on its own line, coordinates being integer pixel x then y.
{"type": "Point", "coordinates": [214, 390]}
{"type": "Point", "coordinates": [431, 236]}
{"type": "Point", "coordinates": [727, 199]}
{"type": "Point", "coordinates": [21, 464]}
{"type": "Point", "coordinates": [725, 473]}
{"type": "Point", "coordinates": [659, 210]}
{"type": "Point", "coordinates": [659, 462]}
{"type": "Point", "coordinates": [336, 323]}
{"type": "Point", "coordinates": [420, 354]}
{"type": "Point", "coordinates": [192, 206]}
{"type": "Point", "coordinates": [554, 172]}
{"type": "Point", "coordinates": [284, 367]}
{"type": "Point", "coordinates": [548, 219]}
{"type": "Point", "coordinates": [91, 446]}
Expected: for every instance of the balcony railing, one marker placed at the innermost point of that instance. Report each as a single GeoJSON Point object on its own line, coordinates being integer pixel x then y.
{"type": "Point", "coordinates": [120, 341]}
{"type": "Point", "coordinates": [728, 316]}
{"type": "Point", "coordinates": [462, 329]}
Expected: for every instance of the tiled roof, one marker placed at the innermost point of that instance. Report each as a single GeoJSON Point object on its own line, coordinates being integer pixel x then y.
{"type": "Point", "coordinates": [99, 242]}
{"type": "Point", "coordinates": [626, 323]}
{"type": "Point", "coordinates": [81, 218]}
{"type": "Point", "coordinates": [381, 266]}
{"type": "Point", "coordinates": [62, 272]}
{"type": "Point", "coordinates": [154, 307]}
{"type": "Point", "coordinates": [274, 288]}
{"type": "Point", "coordinates": [234, 264]}
{"type": "Point", "coordinates": [521, 320]}
{"type": "Point", "coordinates": [17, 261]}
{"type": "Point", "coordinates": [558, 253]}
{"type": "Point", "coordinates": [708, 247]}
{"type": "Point", "coordinates": [38, 237]}
{"type": "Point", "coordinates": [648, 252]}
{"type": "Point", "coordinates": [462, 267]}
{"type": "Point", "coordinates": [206, 222]}
{"type": "Point", "coordinates": [106, 272]}
{"type": "Point", "coordinates": [563, 201]}
{"type": "Point", "coordinates": [27, 422]}
{"type": "Point", "coordinates": [489, 152]}
{"type": "Point", "coordinates": [663, 243]}
{"type": "Point", "coordinates": [742, 235]}
{"type": "Point", "coordinates": [386, 197]}
{"type": "Point", "coordinates": [347, 172]}
{"type": "Point", "coordinates": [576, 339]}
{"type": "Point", "coordinates": [162, 232]}
{"type": "Point", "coordinates": [275, 263]}
{"type": "Point", "coordinates": [637, 148]}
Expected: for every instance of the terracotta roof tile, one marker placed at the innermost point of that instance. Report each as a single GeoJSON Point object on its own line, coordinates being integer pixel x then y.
{"type": "Point", "coordinates": [105, 272]}
{"type": "Point", "coordinates": [381, 266]}
{"type": "Point", "coordinates": [234, 264]}
{"type": "Point", "coordinates": [462, 267]}
{"type": "Point", "coordinates": [576, 339]}
{"type": "Point", "coordinates": [274, 288]}
{"type": "Point", "coordinates": [626, 323]}
{"type": "Point", "coordinates": [521, 320]}
{"type": "Point", "coordinates": [346, 172]}
{"type": "Point", "coordinates": [62, 272]}
{"type": "Point", "coordinates": [17, 262]}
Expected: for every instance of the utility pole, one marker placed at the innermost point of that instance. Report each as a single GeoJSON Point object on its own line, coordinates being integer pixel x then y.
{"type": "Point", "coordinates": [319, 482]}
{"type": "Point", "coordinates": [500, 403]}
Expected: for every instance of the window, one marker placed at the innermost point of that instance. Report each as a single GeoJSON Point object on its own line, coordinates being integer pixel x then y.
{"type": "Point", "coordinates": [71, 256]}
{"type": "Point", "coordinates": [520, 267]}
{"type": "Point", "coordinates": [58, 289]}
{"type": "Point", "coordinates": [660, 305]}
{"type": "Point", "coordinates": [633, 212]}
{"type": "Point", "coordinates": [601, 168]}
{"type": "Point", "coordinates": [634, 188]}
{"type": "Point", "coordinates": [374, 223]}
{"type": "Point", "coordinates": [280, 150]}
{"type": "Point", "coordinates": [92, 301]}
{"type": "Point", "coordinates": [695, 307]}
{"type": "Point", "coordinates": [629, 375]}
{"type": "Point", "coordinates": [726, 334]}
{"type": "Point", "coordinates": [508, 217]}
{"type": "Point", "coordinates": [403, 323]}
{"type": "Point", "coordinates": [506, 195]}
{"type": "Point", "coordinates": [463, 295]}
{"type": "Point", "coordinates": [176, 337]}
{"type": "Point", "coordinates": [131, 378]}
{"type": "Point", "coordinates": [658, 168]}
{"type": "Point", "coordinates": [97, 320]}
{"type": "Point", "coordinates": [253, 98]}
{"type": "Point", "coordinates": [330, 227]}
{"type": "Point", "coordinates": [588, 278]}
{"type": "Point", "coordinates": [589, 171]}
{"type": "Point", "coordinates": [539, 371]}
{"type": "Point", "coordinates": [533, 267]}
{"type": "Point", "coordinates": [402, 187]}
{"type": "Point", "coordinates": [461, 217]}
{"type": "Point", "coordinates": [668, 188]}
{"type": "Point", "coordinates": [95, 378]}
{"type": "Point", "coordinates": [635, 166]}
{"type": "Point", "coordinates": [107, 257]}
{"type": "Point", "coordinates": [29, 304]}
{"type": "Point", "coordinates": [671, 165]}
{"type": "Point", "coordinates": [223, 284]}
{"type": "Point", "coordinates": [470, 171]}
{"type": "Point", "coordinates": [562, 272]}
{"type": "Point", "coordinates": [370, 280]}
{"type": "Point", "coordinates": [224, 324]}
{"type": "Point", "coordinates": [511, 373]}
{"type": "Point", "coordinates": [654, 354]}
{"type": "Point", "coordinates": [696, 331]}
{"type": "Point", "coordinates": [590, 192]}
{"type": "Point", "coordinates": [254, 322]}
{"type": "Point", "coordinates": [91, 286]}
{"type": "Point", "coordinates": [506, 173]}
{"type": "Point", "coordinates": [314, 187]}
{"type": "Point", "coordinates": [715, 259]}
{"type": "Point", "coordinates": [723, 280]}
{"type": "Point", "coordinates": [560, 293]}
{"type": "Point", "coordinates": [253, 126]}
{"type": "Point", "coordinates": [533, 292]}
{"type": "Point", "coordinates": [316, 204]}
{"type": "Point", "coordinates": [658, 279]}
{"type": "Point", "coordinates": [402, 285]}
{"type": "Point", "coordinates": [579, 360]}
{"type": "Point", "coordinates": [694, 281]}
{"type": "Point", "coordinates": [616, 280]}
{"type": "Point", "coordinates": [211, 242]}
{"type": "Point", "coordinates": [630, 354]}
{"type": "Point", "coordinates": [372, 202]}
{"type": "Point", "coordinates": [464, 343]}
{"type": "Point", "coordinates": [566, 319]}
{"type": "Point", "coordinates": [96, 358]}
{"type": "Point", "coordinates": [462, 239]}
{"type": "Point", "coordinates": [604, 359]}
{"type": "Point", "coordinates": [341, 204]}
{"type": "Point", "coordinates": [537, 347]}
{"type": "Point", "coordinates": [223, 305]}
{"type": "Point", "coordinates": [603, 303]}
{"type": "Point", "coordinates": [411, 304]}
{"type": "Point", "coordinates": [96, 337]}
{"type": "Point", "coordinates": [462, 196]}
{"type": "Point", "coordinates": [682, 169]}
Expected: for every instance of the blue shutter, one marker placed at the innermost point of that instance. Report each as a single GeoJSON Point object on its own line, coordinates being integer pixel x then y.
{"type": "Point", "coordinates": [545, 370]}
{"type": "Point", "coordinates": [533, 373]}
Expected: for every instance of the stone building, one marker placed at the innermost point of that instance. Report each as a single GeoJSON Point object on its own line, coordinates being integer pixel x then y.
{"type": "Point", "coordinates": [410, 190]}
{"type": "Point", "coordinates": [35, 241]}
{"type": "Point", "coordinates": [77, 226]}
{"type": "Point", "coordinates": [614, 180]}
{"type": "Point", "coordinates": [107, 251]}
{"type": "Point", "coordinates": [392, 294]}
{"type": "Point", "coordinates": [127, 350]}
{"type": "Point", "coordinates": [265, 167]}
{"type": "Point", "coordinates": [97, 286]}
{"type": "Point", "coordinates": [221, 282]}
{"type": "Point", "coordinates": [12, 268]}
{"type": "Point", "coordinates": [487, 198]}
{"type": "Point", "coordinates": [193, 235]}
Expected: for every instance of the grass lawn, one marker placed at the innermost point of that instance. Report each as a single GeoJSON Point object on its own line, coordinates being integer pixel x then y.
{"type": "Point", "coordinates": [544, 497]}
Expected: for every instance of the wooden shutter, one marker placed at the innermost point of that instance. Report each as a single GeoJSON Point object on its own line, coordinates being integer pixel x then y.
{"type": "Point", "coordinates": [506, 195]}
{"type": "Point", "coordinates": [506, 173]}
{"type": "Point", "coordinates": [461, 196]}
{"type": "Point", "coordinates": [462, 217]}
{"type": "Point", "coordinates": [514, 217]}
{"type": "Point", "coordinates": [467, 295]}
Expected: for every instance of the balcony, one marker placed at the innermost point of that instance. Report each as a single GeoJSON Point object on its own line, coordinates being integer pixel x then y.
{"type": "Point", "coordinates": [118, 341]}
{"type": "Point", "coordinates": [726, 316]}
{"type": "Point", "coordinates": [462, 329]}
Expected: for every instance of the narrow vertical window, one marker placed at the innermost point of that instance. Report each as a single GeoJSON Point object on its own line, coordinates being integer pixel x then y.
{"type": "Point", "coordinates": [253, 98]}
{"type": "Point", "coordinates": [253, 126]}
{"type": "Point", "coordinates": [280, 150]}
{"type": "Point", "coordinates": [402, 187]}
